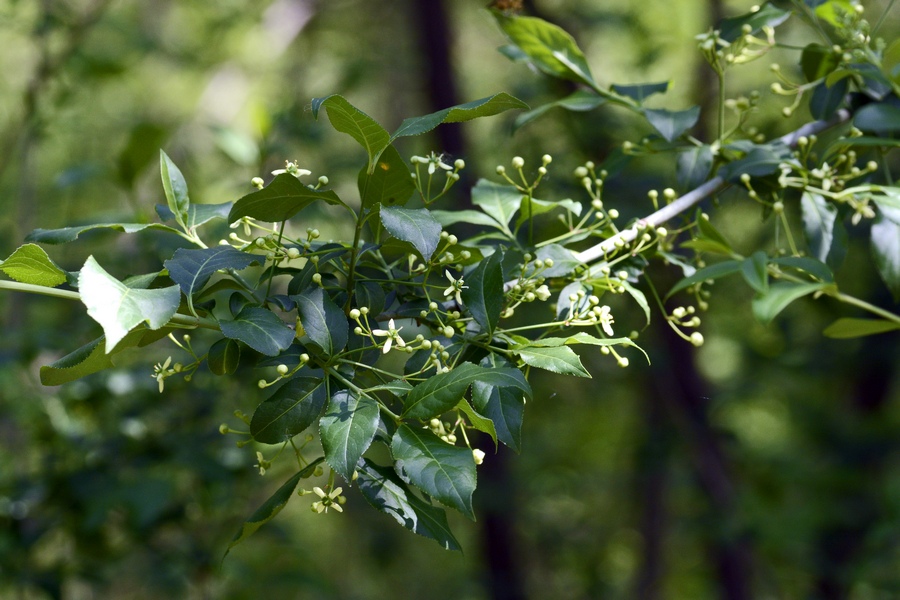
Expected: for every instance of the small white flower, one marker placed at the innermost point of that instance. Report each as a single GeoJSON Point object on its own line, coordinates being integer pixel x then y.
{"type": "Point", "coordinates": [161, 371]}
{"type": "Point", "coordinates": [327, 501]}
{"type": "Point", "coordinates": [392, 334]}
{"type": "Point", "coordinates": [456, 286]}
{"type": "Point", "coordinates": [293, 169]}
{"type": "Point", "coordinates": [478, 455]}
{"type": "Point", "coordinates": [543, 292]}
{"type": "Point", "coordinates": [606, 320]}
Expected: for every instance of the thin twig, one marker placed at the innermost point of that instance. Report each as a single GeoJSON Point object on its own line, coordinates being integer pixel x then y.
{"type": "Point", "coordinates": [683, 203]}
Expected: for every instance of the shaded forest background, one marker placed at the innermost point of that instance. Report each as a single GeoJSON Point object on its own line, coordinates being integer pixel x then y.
{"type": "Point", "coordinates": [765, 464]}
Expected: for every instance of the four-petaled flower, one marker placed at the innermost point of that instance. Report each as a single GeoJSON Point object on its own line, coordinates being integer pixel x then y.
{"type": "Point", "coordinates": [161, 371]}
{"type": "Point", "coordinates": [328, 500]}
{"type": "Point", "coordinates": [293, 169]}
{"type": "Point", "coordinates": [606, 319]}
{"type": "Point", "coordinates": [392, 334]}
{"type": "Point", "coordinates": [456, 286]}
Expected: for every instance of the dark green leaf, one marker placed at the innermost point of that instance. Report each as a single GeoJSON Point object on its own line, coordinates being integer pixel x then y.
{"type": "Point", "coordinates": [886, 250]}
{"type": "Point", "coordinates": [817, 61]}
{"type": "Point", "coordinates": [826, 100]}
{"type": "Point", "coordinates": [70, 234]}
{"type": "Point", "coordinates": [499, 201]}
{"type": "Point", "coordinates": [767, 307]}
{"type": "Point", "coordinates": [283, 198]}
{"type": "Point", "coordinates": [671, 124]}
{"type": "Point", "coordinates": [292, 408]}
{"type": "Point", "coordinates": [641, 91]}
{"type": "Point", "coordinates": [561, 360]}
{"type": "Point", "coordinates": [549, 47]}
{"type": "Point", "coordinates": [440, 393]}
{"type": "Point", "coordinates": [30, 264]}
{"type": "Point", "coordinates": [474, 217]}
{"type": "Point", "coordinates": [483, 295]}
{"type": "Point", "coordinates": [415, 226]}
{"type": "Point", "coordinates": [389, 184]}
{"type": "Point", "coordinates": [371, 295]}
{"type": "Point", "coordinates": [347, 430]}
{"type": "Point", "coordinates": [442, 471]}
{"type": "Point", "coordinates": [853, 328]}
{"type": "Point", "coordinates": [505, 407]}
{"type": "Point", "coordinates": [564, 262]}
{"type": "Point", "coordinates": [197, 214]}
{"type": "Point", "coordinates": [819, 217]}
{"type": "Point", "coordinates": [715, 271]}
{"type": "Point", "coordinates": [119, 308]}
{"type": "Point", "coordinates": [191, 269]}
{"type": "Point", "coordinates": [348, 119]}
{"type": "Point", "coordinates": [259, 328]}
{"type": "Point", "coordinates": [485, 107]}
{"type": "Point", "coordinates": [478, 421]}
{"type": "Point", "coordinates": [174, 186]}
{"type": "Point", "coordinates": [810, 266]}
{"type": "Point", "coordinates": [694, 166]}
{"type": "Point", "coordinates": [755, 271]}
{"type": "Point", "coordinates": [768, 15]}
{"type": "Point", "coordinates": [881, 118]}
{"type": "Point", "coordinates": [223, 357]}
{"type": "Point", "coordinates": [386, 492]}
{"type": "Point", "coordinates": [272, 506]}
{"type": "Point", "coordinates": [577, 101]}
{"type": "Point", "coordinates": [760, 161]}
{"type": "Point", "coordinates": [323, 321]}
{"type": "Point", "coordinates": [89, 359]}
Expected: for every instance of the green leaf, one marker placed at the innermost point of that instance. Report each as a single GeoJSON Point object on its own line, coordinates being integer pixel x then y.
{"type": "Point", "coordinates": [259, 328]}
{"type": "Point", "coordinates": [447, 218]}
{"type": "Point", "coordinates": [484, 107]}
{"type": "Point", "coordinates": [767, 306]}
{"type": "Point", "coordinates": [880, 118]}
{"type": "Point", "coordinates": [198, 214]}
{"type": "Point", "coordinates": [283, 198]}
{"type": "Point", "coordinates": [272, 506]}
{"type": "Point", "coordinates": [499, 201]}
{"type": "Point", "coordinates": [89, 359]}
{"type": "Point", "coordinates": [832, 9]}
{"type": "Point", "coordinates": [440, 393]}
{"type": "Point", "coordinates": [323, 321]}
{"type": "Point", "coordinates": [484, 294]}
{"type": "Point", "coordinates": [346, 118]}
{"type": "Point", "coordinates": [30, 264]}
{"type": "Point", "coordinates": [477, 421]}
{"type": "Point", "coordinates": [347, 430]}
{"type": "Point", "coordinates": [694, 166]}
{"type": "Point", "coordinates": [709, 232]}
{"type": "Point", "coordinates": [810, 266]}
{"type": "Point", "coordinates": [223, 357]}
{"type": "Point", "coordinates": [577, 101]}
{"type": "Point", "coordinates": [890, 61]}
{"type": "Point", "coordinates": [398, 388]}
{"type": "Point", "coordinates": [191, 269]}
{"type": "Point", "coordinates": [639, 297]}
{"type": "Point", "coordinates": [715, 271]}
{"type": "Point", "coordinates": [549, 47]}
{"type": "Point", "coordinates": [578, 338]}
{"type": "Point", "coordinates": [827, 99]}
{"type": "Point", "coordinates": [671, 124]}
{"type": "Point", "coordinates": [390, 184]}
{"type": "Point", "coordinates": [534, 207]}
{"type": "Point", "coordinates": [768, 15]}
{"type": "Point", "coordinates": [175, 187]}
{"type": "Point", "coordinates": [562, 360]}
{"type": "Point", "coordinates": [819, 216]}
{"type": "Point", "coordinates": [853, 328]}
{"type": "Point", "coordinates": [70, 234]}
{"type": "Point", "coordinates": [755, 271]}
{"type": "Point", "coordinates": [292, 408]}
{"type": "Point", "coordinates": [386, 492]}
{"type": "Point", "coordinates": [641, 91]}
{"type": "Point", "coordinates": [817, 61]}
{"type": "Point", "coordinates": [119, 308]}
{"type": "Point", "coordinates": [442, 471]}
{"type": "Point", "coordinates": [504, 406]}
{"type": "Point", "coordinates": [886, 250]}
{"type": "Point", "coordinates": [760, 161]}
{"type": "Point", "coordinates": [415, 226]}
{"type": "Point", "coordinates": [564, 262]}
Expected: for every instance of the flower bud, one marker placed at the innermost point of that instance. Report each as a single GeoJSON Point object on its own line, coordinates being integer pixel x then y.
{"type": "Point", "coordinates": [518, 162]}
{"type": "Point", "coordinates": [478, 455]}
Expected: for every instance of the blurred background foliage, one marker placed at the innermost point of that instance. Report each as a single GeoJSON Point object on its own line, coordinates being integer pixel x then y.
{"type": "Point", "coordinates": [765, 464]}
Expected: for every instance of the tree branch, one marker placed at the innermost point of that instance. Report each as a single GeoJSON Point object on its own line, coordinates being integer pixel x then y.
{"type": "Point", "coordinates": [682, 204]}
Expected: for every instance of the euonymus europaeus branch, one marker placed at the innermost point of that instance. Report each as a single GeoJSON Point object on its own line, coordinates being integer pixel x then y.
{"type": "Point", "coordinates": [398, 357]}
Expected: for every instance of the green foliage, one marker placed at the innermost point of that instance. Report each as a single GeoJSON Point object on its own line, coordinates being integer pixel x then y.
{"type": "Point", "coordinates": [416, 358]}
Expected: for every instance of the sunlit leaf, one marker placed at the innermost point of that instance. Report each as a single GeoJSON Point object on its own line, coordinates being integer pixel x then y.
{"type": "Point", "coordinates": [767, 306]}
{"type": "Point", "coordinates": [348, 119]}
{"type": "Point", "coordinates": [283, 198]}
{"type": "Point", "coordinates": [443, 471]}
{"type": "Point", "coordinates": [484, 107]}
{"type": "Point", "coordinates": [30, 264]}
{"type": "Point", "coordinates": [853, 328]}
